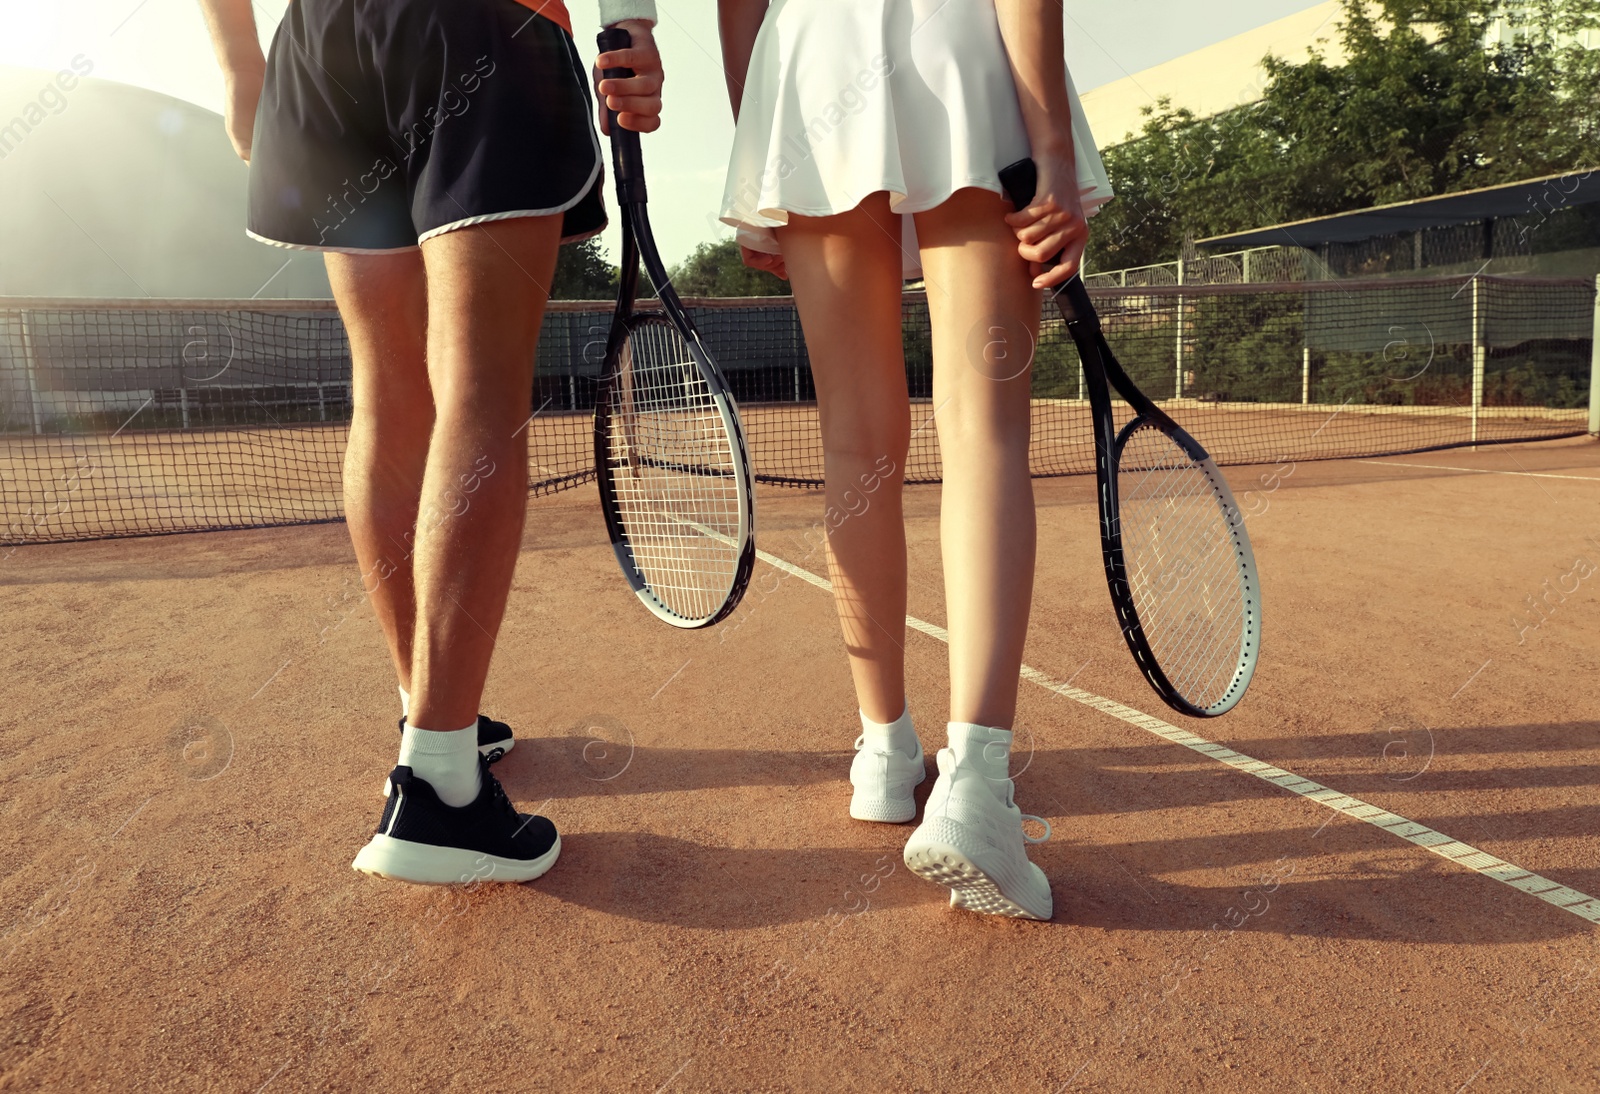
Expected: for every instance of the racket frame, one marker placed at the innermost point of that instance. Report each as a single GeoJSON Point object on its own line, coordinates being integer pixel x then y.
{"type": "Point", "coordinates": [638, 243]}
{"type": "Point", "coordinates": [1101, 372]}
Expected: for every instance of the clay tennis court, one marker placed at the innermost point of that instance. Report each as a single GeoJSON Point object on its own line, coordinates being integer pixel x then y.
{"type": "Point", "coordinates": [198, 727]}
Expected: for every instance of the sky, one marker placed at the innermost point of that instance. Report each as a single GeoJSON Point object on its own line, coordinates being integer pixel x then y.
{"type": "Point", "coordinates": [162, 45]}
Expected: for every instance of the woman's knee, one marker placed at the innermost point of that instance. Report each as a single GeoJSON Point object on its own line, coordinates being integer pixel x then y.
{"type": "Point", "coordinates": [867, 432]}
{"type": "Point", "coordinates": [995, 427]}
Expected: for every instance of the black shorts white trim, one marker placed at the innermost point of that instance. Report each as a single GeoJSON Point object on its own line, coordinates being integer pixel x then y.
{"type": "Point", "coordinates": [384, 123]}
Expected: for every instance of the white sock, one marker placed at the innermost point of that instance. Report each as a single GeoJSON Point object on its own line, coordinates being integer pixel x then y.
{"type": "Point", "coordinates": [447, 761]}
{"type": "Point", "coordinates": [405, 702]}
{"type": "Point", "coordinates": [898, 735]}
{"type": "Point", "coordinates": [983, 748]}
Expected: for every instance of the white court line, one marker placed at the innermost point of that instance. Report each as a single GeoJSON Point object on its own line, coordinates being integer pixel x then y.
{"type": "Point", "coordinates": [1551, 892]}
{"type": "Point", "coordinates": [1482, 470]}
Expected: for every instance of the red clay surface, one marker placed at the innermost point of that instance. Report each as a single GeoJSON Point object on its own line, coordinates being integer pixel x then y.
{"type": "Point", "coordinates": [197, 727]}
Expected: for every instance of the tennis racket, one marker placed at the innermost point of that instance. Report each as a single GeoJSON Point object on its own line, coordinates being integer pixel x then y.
{"type": "Point", "coordinates": [1177, 559]}
{"type": "Point", "coordinates": [675, 483]}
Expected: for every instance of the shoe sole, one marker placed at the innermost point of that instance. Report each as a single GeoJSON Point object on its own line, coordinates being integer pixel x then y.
{"type": "Point", "coordinates": [492, 753]}
{"type": "Point", "coordinates": [943, 862]}
{"type": "Point", "coordinates": [884, 812]}
{"type": "Point", "coordinates": [426, 864]}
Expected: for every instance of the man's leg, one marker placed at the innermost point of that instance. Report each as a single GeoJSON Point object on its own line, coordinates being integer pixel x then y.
{"type": "Point", "coordinates": [486, 287]}
{"type": "Point", "coordinates": [384, 303]}
{"type": "Point", "coordinates": [445, 821]}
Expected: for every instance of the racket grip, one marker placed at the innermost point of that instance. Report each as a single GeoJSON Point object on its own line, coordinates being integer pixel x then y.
{"type": "Point", "coordinates": [627, 156]}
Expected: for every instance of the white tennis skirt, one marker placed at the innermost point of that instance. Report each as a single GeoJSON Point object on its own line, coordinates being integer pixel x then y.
{"type": "Point", "coordinates": [845, 98]}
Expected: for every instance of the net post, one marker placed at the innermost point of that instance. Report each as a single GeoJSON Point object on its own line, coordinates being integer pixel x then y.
{"type": "Point", "coordinates": [1479, 354]}
{"type": "Point", "coordinates": [1594, 365]}
{"type": "Point", "coordinates": [1305, 375]}
{"type": "Point", "coordinates": [35, 411]}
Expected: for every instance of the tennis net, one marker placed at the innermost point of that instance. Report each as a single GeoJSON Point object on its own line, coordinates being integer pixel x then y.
{"type": "Point", "coordinates": [126, 418]}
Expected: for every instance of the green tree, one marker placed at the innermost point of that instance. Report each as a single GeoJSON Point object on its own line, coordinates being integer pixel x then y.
{"type": "Point", "coordinates": [582, 273]}
{"type": "Point", "coordinates": [715, 269]}
{"type": "Point", "coordinates": [1423, 105]}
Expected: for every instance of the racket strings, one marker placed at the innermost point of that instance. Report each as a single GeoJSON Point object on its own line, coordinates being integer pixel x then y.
{"type": "Point", "coordinates": [1182, 566]}
{"type": "Point", "coordinates": [673, 474]}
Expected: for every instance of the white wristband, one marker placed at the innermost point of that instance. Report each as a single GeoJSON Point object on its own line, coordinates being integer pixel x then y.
{"type": "Point", "coordinates": [615, 11]}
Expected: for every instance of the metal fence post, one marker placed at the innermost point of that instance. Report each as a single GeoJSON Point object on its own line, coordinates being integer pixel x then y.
{"type": "Point", "coordinates": [1594, 365]}
{"type": "Point", "coordinates": [1480, 354]}
{"type": "Point", "coordinates": [1177, 384]}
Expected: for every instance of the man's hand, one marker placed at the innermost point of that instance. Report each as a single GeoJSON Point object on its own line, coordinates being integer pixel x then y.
{"type": "Point", "coordinates": [1052, 224]}
{"type": "Point", "coordinates": [233, 35]}
{"type": "Point", "coordinates": [243, 94]}
{"type": "Point", "coordinates": [637, 100]}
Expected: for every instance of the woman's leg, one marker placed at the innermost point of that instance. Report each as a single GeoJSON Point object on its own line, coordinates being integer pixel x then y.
{"type": "Point", "coordinates": [383, 301]}
{"type": "Point", "coordinates": [846, 273]}
{"type": "Point", "coordinates": [985, 319]}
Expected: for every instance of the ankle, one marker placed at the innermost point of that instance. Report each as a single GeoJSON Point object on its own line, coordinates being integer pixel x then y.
{"type": "Point", "coordinates": [985, 750]}
{"type": "Point", "coordinates": [898, 735]}
{"type": "Point", "coordinates": [447, 760]}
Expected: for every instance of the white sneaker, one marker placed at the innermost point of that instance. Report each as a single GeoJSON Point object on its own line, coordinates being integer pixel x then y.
{"type": "Point", "coordinates": [972, 841]}
{"type": "Point", "coordinates": [884, 779]}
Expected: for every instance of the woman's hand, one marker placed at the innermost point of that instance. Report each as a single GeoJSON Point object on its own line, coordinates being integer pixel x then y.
{"type": "Point", "coordinates": [243, 92]}
{"type": "Point", "coordinates": [1052, 224]}
{"type": "Point", "coordinates": [761, 260]}
{"type": "Point", "coordinates": [637, 100]}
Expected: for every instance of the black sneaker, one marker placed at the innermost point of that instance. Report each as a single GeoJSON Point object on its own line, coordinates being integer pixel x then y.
{"type": "Point", "coordinates": [494, 738]}
{"type": "Point", "coordinates": [423, 840]}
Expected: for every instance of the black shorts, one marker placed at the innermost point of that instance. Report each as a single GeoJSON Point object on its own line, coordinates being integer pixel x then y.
{"type": "Point", "coordinates": [385, 122]}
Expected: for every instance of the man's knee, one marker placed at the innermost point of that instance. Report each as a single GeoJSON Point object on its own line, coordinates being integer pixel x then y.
{"type": "Point", "coordinates": [394, 406]}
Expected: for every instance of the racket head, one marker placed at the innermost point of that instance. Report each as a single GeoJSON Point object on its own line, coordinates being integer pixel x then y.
{"type": "Point", "coordinates": [673, 473]}
{"type": "Point", "coordinates": [1185, 586]}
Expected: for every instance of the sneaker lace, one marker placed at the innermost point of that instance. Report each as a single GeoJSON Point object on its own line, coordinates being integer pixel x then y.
{"type": "Point", "coordinates": [498, 793]}
{"type": "Point", "coordinates": [1011, 799]}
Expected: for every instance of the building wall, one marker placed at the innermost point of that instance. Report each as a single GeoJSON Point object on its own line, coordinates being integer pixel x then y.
{"type": "Point", "coordinates": [1215, 78]}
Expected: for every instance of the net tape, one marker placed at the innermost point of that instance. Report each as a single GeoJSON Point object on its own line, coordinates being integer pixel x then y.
{"type": "Point", "coordinates": [143, 417]}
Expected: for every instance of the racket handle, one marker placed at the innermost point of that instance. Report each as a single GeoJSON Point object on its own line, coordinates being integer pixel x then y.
{"type": "Point", "coordinates": [627, 156]}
